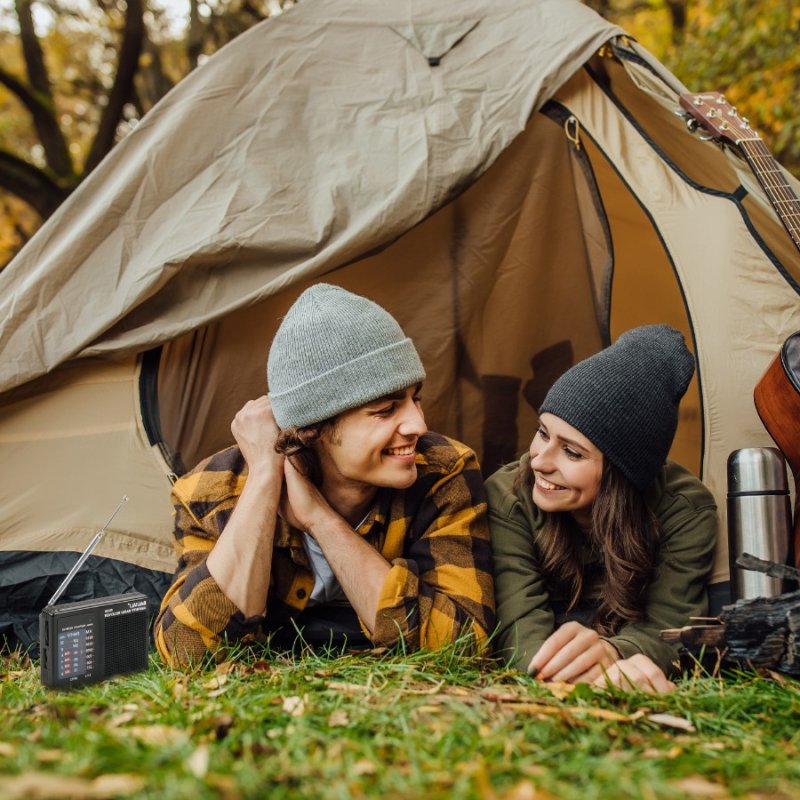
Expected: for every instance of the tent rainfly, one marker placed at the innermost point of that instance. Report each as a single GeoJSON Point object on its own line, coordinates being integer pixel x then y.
{"type": "Point", "coordinates": [508, 177]}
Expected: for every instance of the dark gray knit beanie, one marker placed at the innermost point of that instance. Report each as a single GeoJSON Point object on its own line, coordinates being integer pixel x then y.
{"type": "Point", "coordinates": [335, 350]}
{"type": "Point", "coordinates": [625, 398]}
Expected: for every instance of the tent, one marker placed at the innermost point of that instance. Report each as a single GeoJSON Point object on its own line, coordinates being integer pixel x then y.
{"type": "Point", "coordinates": [508, 177]}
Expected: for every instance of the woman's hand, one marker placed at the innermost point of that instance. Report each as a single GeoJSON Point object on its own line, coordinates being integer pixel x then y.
{"type": "Point", "coordinates": [573, 654]}
{"type": "Point", "coordinates": [256, 431]}
{"type": "Point", "coordinates": [636, 672]}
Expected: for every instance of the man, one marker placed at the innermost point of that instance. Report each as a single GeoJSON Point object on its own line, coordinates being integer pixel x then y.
{"type": "Point", "coordinates": [336, 513]}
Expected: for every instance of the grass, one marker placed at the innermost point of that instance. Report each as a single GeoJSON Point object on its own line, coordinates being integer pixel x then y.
{"type": "Point", "coordinates": [425, 725]}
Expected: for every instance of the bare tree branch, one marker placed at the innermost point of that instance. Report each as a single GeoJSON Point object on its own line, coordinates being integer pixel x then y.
{"type": "Point", "coordinates": [123, 89]}
{"type": "Point", "coordinates": [43, 111]}
{"type": "Point", "coordinates": [30, 184]}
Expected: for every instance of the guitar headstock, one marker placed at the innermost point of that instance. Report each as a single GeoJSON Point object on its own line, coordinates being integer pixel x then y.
{"type": "Point", "coordinates": [714, 113]}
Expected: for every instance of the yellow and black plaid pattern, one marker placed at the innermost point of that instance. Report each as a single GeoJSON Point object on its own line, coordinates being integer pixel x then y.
{"type": "Point", "coordinates": [434, 535]}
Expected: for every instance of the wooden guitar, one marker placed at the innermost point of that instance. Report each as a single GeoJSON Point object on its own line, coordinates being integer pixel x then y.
{"type": "Point", "coordinates": [713, 112]}
{"type": "Point", "coordinates": [777, 394]}
{"type": "Point", "coordinates": [777, 399]}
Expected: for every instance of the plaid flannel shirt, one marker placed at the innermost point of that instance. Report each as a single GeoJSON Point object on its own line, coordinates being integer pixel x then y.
{"type": "Point", "coordinates": [433, 534]}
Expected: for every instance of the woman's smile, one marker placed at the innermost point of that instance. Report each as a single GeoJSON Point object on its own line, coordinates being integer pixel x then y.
{"type": "Point", "coordinates": [548, 486]}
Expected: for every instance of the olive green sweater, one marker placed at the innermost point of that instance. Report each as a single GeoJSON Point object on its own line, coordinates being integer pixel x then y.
{"type": "Point", "coordinates": [528, 610]}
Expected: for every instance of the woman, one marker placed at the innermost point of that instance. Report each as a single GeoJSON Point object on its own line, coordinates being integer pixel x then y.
{"type": "Point", "coordinates": [599, 542]}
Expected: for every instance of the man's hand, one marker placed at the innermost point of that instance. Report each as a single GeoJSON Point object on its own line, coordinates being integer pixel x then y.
{"type": "Point", "coordinates": [303, 505]}
{"type": "Point", "coordinates": [241, 560]}
{"type": "Point", "coordinates": [256, 431]}
{"type": "Point", "coordinates": [636, 672]}
{"type": "Point", "coordinates": [573, 654]}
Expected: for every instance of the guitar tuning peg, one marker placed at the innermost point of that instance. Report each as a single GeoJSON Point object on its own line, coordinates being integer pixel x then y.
{"type": "Point", "coordinates": [706, 137]}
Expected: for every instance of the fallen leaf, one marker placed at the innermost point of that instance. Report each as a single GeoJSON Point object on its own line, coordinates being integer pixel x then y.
{"type": "Point", "coordinates": [49, 756]}
{"type": "Point", "coordinates": [130, 707]}
{"type": "Point", "coordinates": [156, 735]}
{"type": "Point", "coordinates": [116, 785]}
{"type": "Point", "coordinates": [601, 713]}
{"type": "Point", "coordinates": [338, 719]}
{"type": "Point", "coordinates": [46, 786]}
{"type": "Point", "coordinates": [538, 708]}
{"type": "Point", "coordinates": [122, 719]}
{"type": "Point", "coordinates": [197, 763]}
{"type": "Point", "coordinates": [500, 696]}
{"type": "Point", "coordinates": [559, 689]}
{"type": "Point", "coordinates": [697, 786]}
{"type": "Point", "coordinates": [346, 688]}
{"type": "Point", "coordinates": [364, 767]}
{"type": "Point", "coordinates": [7, 750]}
{"type": "Point", "coordinates": [777, 677]}
{"type": "Point", "coordinates": [294, 705]}
{"type": "Point", "coordinates": [226, 667]}
{"type": "Point", "coordinates": [524, 790]}
{"type": "Point", "coordinates": [654, 752]}
{"type": "Point", "coordinates": [225, 785]}
{"type": "Point", "coordinates": [671, 721]}
{"type": "Point", "coordinates": [215, 682]}
{"type": "Point", "coordinates": [428, 709]}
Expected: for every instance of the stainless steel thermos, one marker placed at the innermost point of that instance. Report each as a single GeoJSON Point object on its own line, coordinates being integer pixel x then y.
{"type": "Point", "coordinates": [759, 517]}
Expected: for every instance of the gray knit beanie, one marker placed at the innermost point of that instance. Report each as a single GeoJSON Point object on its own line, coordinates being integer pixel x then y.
{"type": "Point", "coordinates": [625, 398]}
{"type": "Point", "coordinates": [335, 350]}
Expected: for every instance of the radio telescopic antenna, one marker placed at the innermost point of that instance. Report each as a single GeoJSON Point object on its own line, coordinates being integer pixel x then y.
{"type": "Point", "coordinates": [86, 553]}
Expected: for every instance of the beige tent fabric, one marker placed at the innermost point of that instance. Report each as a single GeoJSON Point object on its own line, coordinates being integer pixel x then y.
{"type": "Point", "coordinates": [70, 454]}
{"type": "Point", "coordinates": [311, 139]}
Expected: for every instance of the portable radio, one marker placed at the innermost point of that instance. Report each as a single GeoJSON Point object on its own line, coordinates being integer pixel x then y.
{"type": "Point", "coordinates": [90, 640]}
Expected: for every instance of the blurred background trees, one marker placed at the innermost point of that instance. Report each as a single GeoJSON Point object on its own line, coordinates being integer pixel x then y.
{"type": "Point", "coordinates": [77, 75]}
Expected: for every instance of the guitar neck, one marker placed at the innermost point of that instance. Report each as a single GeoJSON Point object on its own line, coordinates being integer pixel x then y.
{"type": "Point", "coordinates": [772, 178]}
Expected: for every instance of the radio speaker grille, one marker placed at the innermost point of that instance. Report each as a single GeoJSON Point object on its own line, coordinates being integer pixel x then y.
{"type": "Point", "coordinates": [126, 644]}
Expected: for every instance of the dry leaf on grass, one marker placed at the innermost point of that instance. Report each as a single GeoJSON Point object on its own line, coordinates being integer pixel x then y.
{"type": "Point", "coordinates": [338, 719]}
{"type": "Point", "coordinates": [671, 721]}
{"type": "Point", "coordinates": [215, 682]}
{"type": "Point", "coordinates": [364, 767]}
{"type": "Point", "coordinates": [49, 756]}
{"type": "Point", "coordinates": [524, 790]}
{"type": "Point", "coordinates": [121, 719]}
{"type": "Point", "coordinates": [346, 688]}
{"type": "Point", "coordinates": [503, 696]}
{"type": "Point", "coordinates": [559, 689]}
{"type": "Point", "coordinates": [197, 763]}
{"type": "Point", "coordinates": [654, 752]}
{"type": "Point", "coordinates": [698, 786]}
{"type": "Point", "coordinates": [155, 735]}
{"type": "Point", "coordinates": [294, 705]}
{"type": "Point", "coordinates": [46, 786]}
{"type": "Point", "coordinates": [777, 677]}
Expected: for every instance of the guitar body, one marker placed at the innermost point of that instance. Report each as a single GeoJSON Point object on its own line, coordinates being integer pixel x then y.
{"type": "Point", "coordinates": [777, 399]}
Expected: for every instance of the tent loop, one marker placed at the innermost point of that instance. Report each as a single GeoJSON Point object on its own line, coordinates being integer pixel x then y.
{"type": "Point", "coordinates": [572, 128]}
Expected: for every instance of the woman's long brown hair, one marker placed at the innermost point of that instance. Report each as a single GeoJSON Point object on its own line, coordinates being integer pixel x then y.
{"type": "Point", "coordinates": [625, 532]}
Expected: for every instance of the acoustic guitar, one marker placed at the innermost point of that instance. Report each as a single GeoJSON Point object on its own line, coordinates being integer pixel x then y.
{"type": "Point", "coordinates": [723, 122]}
{"type": "Point", "coordinates": [777, 399]}
{"type": "Point", "coordinates": [777, 393]}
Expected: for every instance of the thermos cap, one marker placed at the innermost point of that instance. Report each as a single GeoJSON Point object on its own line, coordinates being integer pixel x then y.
{"type": "Point", "coordinates": [757, 469]}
